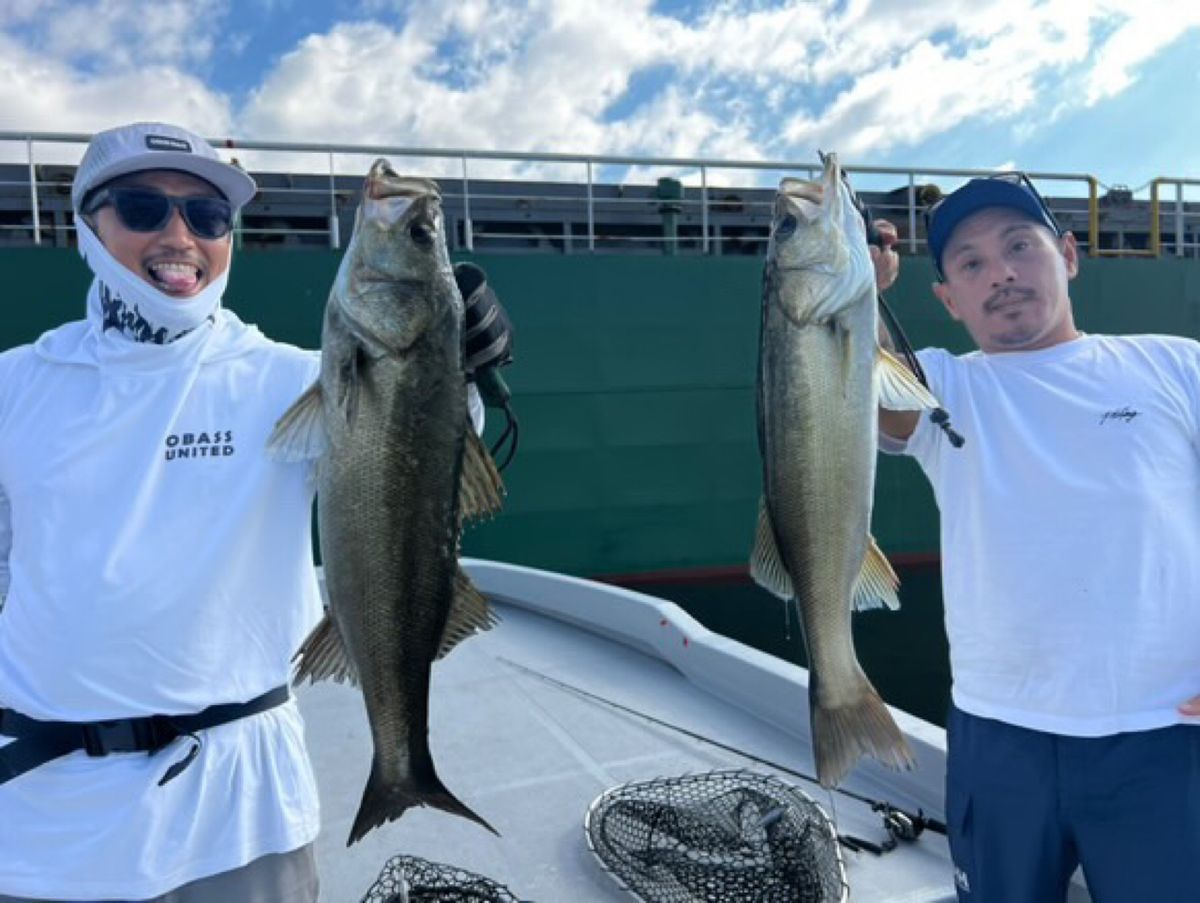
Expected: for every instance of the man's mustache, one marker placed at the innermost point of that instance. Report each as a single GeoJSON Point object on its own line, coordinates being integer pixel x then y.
{"type": "Point", "coordinates": [1006, 295]}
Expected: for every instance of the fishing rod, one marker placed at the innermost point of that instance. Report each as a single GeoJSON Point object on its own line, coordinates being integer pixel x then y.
{"type": "Point", "coordinates": [899, 823]}
{"type": "Point", "coordinates": [938, 415]}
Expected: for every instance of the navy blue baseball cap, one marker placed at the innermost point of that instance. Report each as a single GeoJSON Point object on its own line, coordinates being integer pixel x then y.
{"type": "Point", "coordinates": [1010, 189]}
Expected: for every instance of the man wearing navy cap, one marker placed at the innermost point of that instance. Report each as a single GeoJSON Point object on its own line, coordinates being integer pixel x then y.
{"type": "Point", "coordinates": [1070, 521]}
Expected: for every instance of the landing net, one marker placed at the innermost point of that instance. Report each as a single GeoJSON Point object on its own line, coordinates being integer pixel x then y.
{"type": "Point", "coordinates": [410, 879]}
{"type": "Point", "coordinates": [731, 836]}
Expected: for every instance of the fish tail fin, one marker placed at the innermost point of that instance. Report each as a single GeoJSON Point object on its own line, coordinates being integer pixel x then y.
{"type": "Point", "coordinates": [386, 800]}
{"type": "Point", "coordinates": [843, 734]}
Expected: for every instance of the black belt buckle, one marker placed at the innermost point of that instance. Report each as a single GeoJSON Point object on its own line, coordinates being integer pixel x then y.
{"type": "Point", "coordinates": [128, 735]}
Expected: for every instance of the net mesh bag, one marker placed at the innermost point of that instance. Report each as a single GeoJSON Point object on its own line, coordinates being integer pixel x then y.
{"type": "Point", "coordinates": [411, 879]}
{"type": "Point", "coordinates": [724, 836]}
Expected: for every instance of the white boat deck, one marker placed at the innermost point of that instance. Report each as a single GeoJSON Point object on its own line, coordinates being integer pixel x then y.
{"type": "Point", "coordinates": [529, 754]}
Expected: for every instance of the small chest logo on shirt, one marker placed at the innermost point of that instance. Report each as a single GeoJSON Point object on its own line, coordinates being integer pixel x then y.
{"type": "Point", "coordinates": [215, 444]}
{"type": "Point", "coordinates": [1119, 415]}
{"type": "Point", "coordinates": [962, 881]}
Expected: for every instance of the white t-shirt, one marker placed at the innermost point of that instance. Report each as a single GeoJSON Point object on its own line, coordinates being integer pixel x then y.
{"type": "Point", "coordinates": [1070, 531]}
{"type": "Point", "coordinates": [159, 562]}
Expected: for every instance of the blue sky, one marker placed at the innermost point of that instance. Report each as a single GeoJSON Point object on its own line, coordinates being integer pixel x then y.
{"type": "Point", "coordinates": [1108, 87]}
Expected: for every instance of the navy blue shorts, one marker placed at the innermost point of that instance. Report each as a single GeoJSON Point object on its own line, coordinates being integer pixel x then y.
{"type": "Point", "coordinates": [1024, 808]}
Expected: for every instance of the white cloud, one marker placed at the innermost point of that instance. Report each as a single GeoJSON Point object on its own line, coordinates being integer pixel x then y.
{"type": "Point", "coordinates": [102, 35]}
{"type": "Point", "coordinates": [40, 94]}
{"type": "Point", "coordinates": [738, 41]}
{"type": "Point", "coordinates": [546, 86]}
{"type": "Point", "coordinates": [14, 12]}
{"type": "Point", "coordinates": [747, 79]}
{"type": "Point", "coordinates": [1150, 26]}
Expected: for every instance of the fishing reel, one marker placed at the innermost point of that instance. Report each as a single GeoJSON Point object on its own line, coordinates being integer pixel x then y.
{"type": "Point", "coordinates": [487, 346]}
{"type": "Point", "coordinates": [900, 826]}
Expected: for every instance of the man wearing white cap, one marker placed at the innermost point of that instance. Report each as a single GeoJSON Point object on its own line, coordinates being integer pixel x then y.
{"type": "Point", "coordinates": [1070, 522]}
{"type": "Point", "coordinates": [156, 563]}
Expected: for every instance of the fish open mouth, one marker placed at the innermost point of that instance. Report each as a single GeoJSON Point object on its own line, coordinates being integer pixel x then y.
{"type": "Point", "coordinates": [384, 182]}
{"type": "Point", "coordinates": [797, 202]}
{"type": "Point", "coordinates": [803, 190]}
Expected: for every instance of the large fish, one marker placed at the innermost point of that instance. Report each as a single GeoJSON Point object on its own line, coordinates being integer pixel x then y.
{"type": "Point", "coordinates": [399, 469]}
{"type": "Point", "coordinates": [821, 376]}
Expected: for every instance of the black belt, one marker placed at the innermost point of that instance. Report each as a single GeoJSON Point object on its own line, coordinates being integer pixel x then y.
{"type": "Point", "coordinates": [39, 742]}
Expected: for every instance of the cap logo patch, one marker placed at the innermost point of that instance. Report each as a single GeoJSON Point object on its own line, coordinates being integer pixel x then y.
{"type": "Point", "coordinates": [167, 143]}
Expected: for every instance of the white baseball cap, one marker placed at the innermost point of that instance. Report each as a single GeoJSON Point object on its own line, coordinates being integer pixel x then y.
{"type": "Point", "coordinates": [156, 145]}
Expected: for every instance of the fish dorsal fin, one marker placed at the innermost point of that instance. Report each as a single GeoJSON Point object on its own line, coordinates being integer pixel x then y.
{"type": "Point", "coordinates": [899, 389]}
{"type": "Point", "coordinates": [481, 491]}
{"type": "Point", "coordinates": [323, 655]}
{"type": "Point", "coordinates": [877, 583]}
{"type": "Point", "coordinates": [300, 435]}
{"type": "Point", "coordinates": [766, 567]}
{"type": "Point", "coordinates": [469, 614]}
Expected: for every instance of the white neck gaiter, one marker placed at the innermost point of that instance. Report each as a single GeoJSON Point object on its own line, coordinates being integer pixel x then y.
{"type": "Point", "coordinates": [119, 299]}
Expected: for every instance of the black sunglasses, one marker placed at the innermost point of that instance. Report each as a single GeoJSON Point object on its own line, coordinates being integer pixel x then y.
{"type": "Point", "coordinates": [1013, 178]}
{"type": "Point", "coordinates": [149, 210]}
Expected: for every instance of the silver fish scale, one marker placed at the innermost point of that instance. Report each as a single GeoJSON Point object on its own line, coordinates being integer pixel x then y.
{"type": "Point", "coordinates": [388, 516]}
{"type": "Point", "coordinates": [817, 428]}
{"type": "Point", "coordinates": [394, 411]}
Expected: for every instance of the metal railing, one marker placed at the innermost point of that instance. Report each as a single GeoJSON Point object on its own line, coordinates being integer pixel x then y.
{"type": "Point", "coordinates": [697, 179]}
{"type": "Point", "coordinates": [1180, 215]}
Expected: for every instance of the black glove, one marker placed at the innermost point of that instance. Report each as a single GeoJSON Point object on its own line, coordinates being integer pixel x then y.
{"type": "Point", "coordinates": [487, 346]}
{"type": "Point", "coordinates": [487, 331]}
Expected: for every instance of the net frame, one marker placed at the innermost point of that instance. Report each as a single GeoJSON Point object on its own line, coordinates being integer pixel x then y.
{"type": "Point", "coordinates": [834, 887]}
{"type": "Point", "coordinates": [434, 881]}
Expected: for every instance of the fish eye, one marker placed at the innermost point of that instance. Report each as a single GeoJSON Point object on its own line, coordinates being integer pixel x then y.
{"type": "Point", "coordinates": [786, 226]}
{"type": "Point", "coordinates": [421, 233]}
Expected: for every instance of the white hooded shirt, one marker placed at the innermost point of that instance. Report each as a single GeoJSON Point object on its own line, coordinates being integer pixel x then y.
{"type": "Point", "coordinates": [159, 561]}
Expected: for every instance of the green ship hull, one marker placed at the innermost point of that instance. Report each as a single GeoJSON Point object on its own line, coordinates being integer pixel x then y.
{"type": "Point", "coordinates": [634, 385]}
{"type": "Point", "coordinates": [638, 463]}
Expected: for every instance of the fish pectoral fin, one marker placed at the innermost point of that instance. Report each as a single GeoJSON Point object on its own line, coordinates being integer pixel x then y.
{"type": "Point", "coordinates": [323, 656]}
{"type": "Point", "coordinates": [300, 435]}
{"type": "Point", "coordinates": [469, 614]}
{"type": "Point", "coordinates": [766, 567]}
{"type": "Point", "coordinates": [481, 491]}
{"type": "Point", "coordinates": [877, 583]}
{"type": "Point", "coordinates": [899, 388]}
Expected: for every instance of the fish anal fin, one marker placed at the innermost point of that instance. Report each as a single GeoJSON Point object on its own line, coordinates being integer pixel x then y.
{"type": "Point", "coordinates": [877, 583]}
{"type": "Point", "coordinates": [469, 614]}
{"type": "Point", "coordinates": [899, 388]}
{"type": "Point", "coordinates": [766, 567]}
{"type": "Point", "coordinates": [481, 491]}
{"type": "Point", "coordinates": [323, 656]}
{"type": "Point", "coordinates": [300, 435]}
